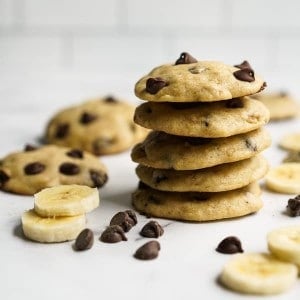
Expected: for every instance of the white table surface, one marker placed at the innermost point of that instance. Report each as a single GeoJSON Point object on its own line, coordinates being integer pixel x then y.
{"type": "Point", "coordinates": [187, 266]}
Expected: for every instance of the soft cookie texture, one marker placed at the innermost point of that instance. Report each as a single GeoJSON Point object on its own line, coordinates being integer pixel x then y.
{"type": "Point", "coordinates": [281, 105]}
{"type": "Point", "coordinates": [34, 169]}
{"type": "Point", "coordinates": [192, 206]}
{"type": "Point", "coordinates": [164, 151]}
{"type": "Point", "coordinates": [189, 80]}
{"type": "Point", "coordinates": [212, 120]}
{"type": "Point", "coordinates": [215, 179]}
{"type": "Point", "coordinates": [102, 126]}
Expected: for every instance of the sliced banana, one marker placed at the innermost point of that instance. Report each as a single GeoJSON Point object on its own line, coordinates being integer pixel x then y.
{"type": "Point", "coordinates": [51, 230]}
{"type": "Point", "coordinates": [66, 200]}
{"type": "Point", "coordinates": [284, 178]}
{"type": "Point", "coordinates": [284, 243]}
{"type": "Point", "coordinates": [258, 273]}
{"type": "Point", "coordinates": [291, 142]}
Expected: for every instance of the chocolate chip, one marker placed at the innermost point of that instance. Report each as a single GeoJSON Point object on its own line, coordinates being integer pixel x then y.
{"type": "Point", "coordinates": [126, 219]}
{"type": "Point", "coordinates": [113, 234]}
{"type": "Point", "coordinates": [98, 178]}
{"type": "Point", "coordinates": [159, 178]}
{"type": "Point", "coordinates": [87, 118]}
{"type": "Point", "coordinates": [75, 153]}
{"type": "Point", "coordinates": [111, 99]}
{"type": "Point", "coordinates": [148, 251]}
{"type": "Point", "coordinates": [230, 245]}
{"type": "Point", "coordinates": [234, 103]}
{"type": "Point", "coordinates": [3, 178]}
{"type": "Point", "coordinates": [245, 74]}
{"type": "Point", "coordinates": [29, 147]}
{"type": "Point", "coordinates": [152, 230]}
{"type": "Point", "coordinates": [153, 85]}
{"type": "Point", "coordinates": [84, 240]}
{"type": "Point", "coordinates": [293, 206]}
{"type": "Point", "coordinates": [206, 123]}
{"type": "Point", "coordinates": [250, 145]}
{"type": "Point", "coordinates": [69, 169]}
{"type": "Point", "coordinates": [244, 65]}
{"type": "Point", "coordinates": [185, 58]}
{"type": "Point", "coordinates": [34, 168]}
{"type": "Point", "coordinates": [62, 130]}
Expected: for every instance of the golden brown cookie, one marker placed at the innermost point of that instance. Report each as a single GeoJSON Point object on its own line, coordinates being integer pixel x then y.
{"type": "Point", "coordinates": [164, 151]}
{"type": "Point", "coordinates": [215, 179]}
{"type": "Point", "coordinates": [102, 126]}
{"type": "Point", "coordinates": [191, 206]}
{"type": "Point", "coordinates": [34, 169]}
{"type": "Point", "coordinates": [189, 80]}
{"type": "Point", "coordinates": [212, 120]}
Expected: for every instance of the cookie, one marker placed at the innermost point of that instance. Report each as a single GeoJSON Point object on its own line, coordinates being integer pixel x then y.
{"type": "Point", "coordinates": [212, 120]}
{"type": "Point", "coordinates": [102, 126]}
{"type": "Point", "coordinates": [34, 169]}
{"type": "Point", "coordinates": [164, 151]}
{"type": "Point", "coordinates": [215, 179]}
{"type": "Point", "coordinates": [281, 105]}
{"type": "Point", "coordinates": [191, 206]}
{"type": "Point", "coordinates": [189, 80]}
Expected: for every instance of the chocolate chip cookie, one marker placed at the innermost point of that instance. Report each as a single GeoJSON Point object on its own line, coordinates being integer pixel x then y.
{"type": "Point", "coordinates": [189, 80]}
{"type": "Point", "coordinates": [34, 169]}
{"type": "Point", "coordinates": [102, 126]}
{"type": "Point", "coordinates": [211, 120]}
{"type": "Point", "coordinates": [164, 151]}
{"type": "Point", "coordinates": [192, 206]}
{"type": "Point", "coordinates": [220, 178]}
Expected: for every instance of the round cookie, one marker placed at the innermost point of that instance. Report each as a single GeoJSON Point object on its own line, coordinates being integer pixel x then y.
{"type": "Point", "coordinates": [220, 178]}
{"type": "Point", "coordinates": [280, 105]}
{"type": "Point", "coordinates": [191, 206]}
{"type": "Point", "coordinates": [102, 126]}
{"type": "Point", "coordinates": [212, 120]}
{"type": "Point", "coordinates": [189, 80]}
{"type": "Point", "coordinates": [34, 169]}
{"type": "Point", "coordinates": [163, 151]}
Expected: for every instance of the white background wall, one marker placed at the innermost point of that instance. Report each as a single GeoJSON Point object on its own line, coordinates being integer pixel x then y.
{"type": "Point", "coordinates": [76, 48]}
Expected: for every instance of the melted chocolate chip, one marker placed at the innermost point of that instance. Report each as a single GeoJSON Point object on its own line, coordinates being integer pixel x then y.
{"type": "Point", "coordinates": [3, 178]}
{"type": "Point", "coordinates": [152, 230]}
{"type": "Point", "coordinates": [185, 58]}
{"type": "Point", "coordinates": [113, 234]}
{"type": "Point", "coordinates": [245, 74]}
{"type": "Point", "coordinates": [148, 251]}
{"type": "Point", "coordinates": [34, 168]}
{"type": "Point", "coordinates": [244, 65]}
{"type": "Point", "coordinates": [75, 153]}
{"type": "Point", "coordinates": [87, 118]}
{"type": "Point", "coordinates": [62, 130]}
{"type": "Point", "coordinates": [84, 240]}
{"type": "Point", "coordinates": [153, 85]}
{"type": "Point", "coordinates": [230, 245]}
{"type": "Point", "coordinates": [293, 206]}
{"type": "Point", "coordinates": [111, 99]}
{"type": "Point", "coordinates": [126, 219]}
{"type": "Point", "coordinates": [98, 178]}
{"type": "Point", "coordinates": [29, 147]}
{"type": "Point", "coordinates": [69, 169]}
{"type": "Point", "coordinates": [234, 103]}
{"type": "Point", "coordinates": [250, 145]}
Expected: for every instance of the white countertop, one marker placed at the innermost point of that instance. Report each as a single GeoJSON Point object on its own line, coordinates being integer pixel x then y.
{"type": "Point", "coordinates": [187, 266]}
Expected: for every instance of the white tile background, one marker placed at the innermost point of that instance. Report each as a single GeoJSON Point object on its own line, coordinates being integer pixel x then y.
{"type": "Point", "coordinates": [76, 48]}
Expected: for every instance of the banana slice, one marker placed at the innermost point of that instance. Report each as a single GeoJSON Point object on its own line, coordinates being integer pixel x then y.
{"type": "Point", "coordinates": [66, 200]}
{"type": "Point", "coordinates": [258, 273]}
{"type": "Point", "coordinates": [284, 243]}
{"type": "Point", "coordinates": [51, 230]}
{"type": "Point", "coordinates": [284, 178]}
{"type": "Point", "coordinates": [291, 142]}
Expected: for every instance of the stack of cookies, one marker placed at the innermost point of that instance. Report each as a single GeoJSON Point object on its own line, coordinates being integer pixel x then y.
{"type": "Point", "coordinates": [202, 160]}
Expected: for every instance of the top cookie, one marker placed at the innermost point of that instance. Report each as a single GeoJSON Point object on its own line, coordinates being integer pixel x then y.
{"type": "Point", "coordinates": [102, 126]}
{"type": "Point", "coordinates": [189, 80]}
